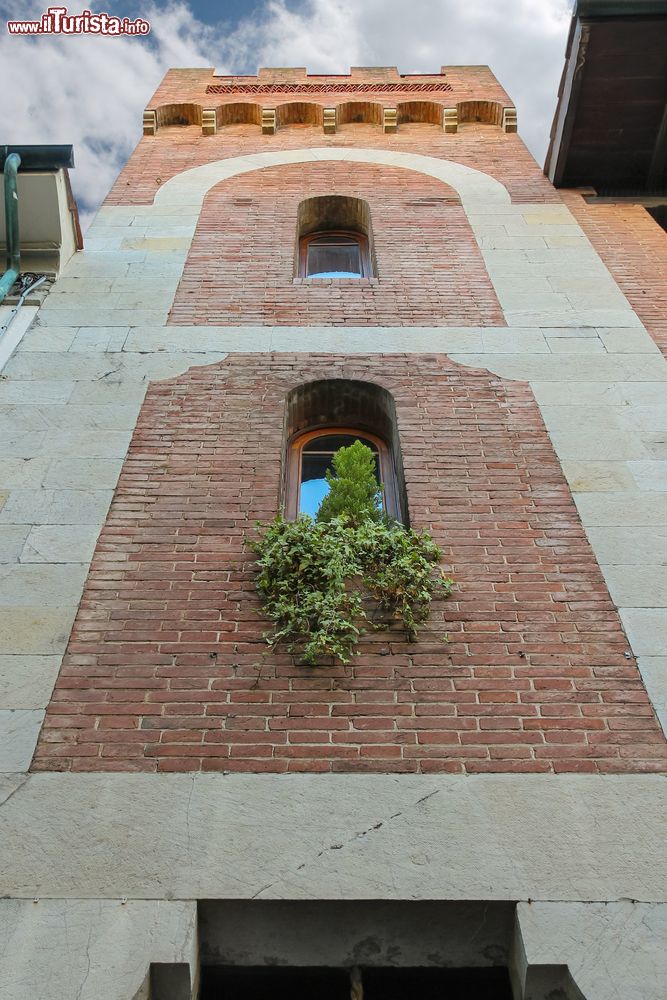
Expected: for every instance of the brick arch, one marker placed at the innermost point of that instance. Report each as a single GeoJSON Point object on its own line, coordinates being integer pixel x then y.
{"type": "Point", "coordinates": [364, 404]}
{"type": "Point", "coordinates": [428, 112]}
{"type": "Point", "coordinates": [357, 112]}
{"type": "Point", "coordinates": [486, 112]}
{"type": "Point", "coordinates": [299, 113]}
{"type": "Point", "coordinates": [178, 114]}
{"type": "Point", "coordinates": [238, 113]}
{"type": "Point", "coordinates": [474, 187]}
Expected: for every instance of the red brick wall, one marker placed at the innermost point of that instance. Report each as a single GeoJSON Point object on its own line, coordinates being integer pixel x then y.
{"type": "Point", "coordinates": [634, 248]}
{"type": "Point", "coordinates": [166, 669]}
{"type": "Point", "coordinates": [241, 267]}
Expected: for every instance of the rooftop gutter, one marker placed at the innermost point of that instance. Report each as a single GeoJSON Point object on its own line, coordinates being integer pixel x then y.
{"type": "Point", "coordinates": [11, 167]}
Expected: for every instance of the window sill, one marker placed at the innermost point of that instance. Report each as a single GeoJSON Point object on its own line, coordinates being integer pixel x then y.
{"type": "Point", "coordinates": [337, 282]}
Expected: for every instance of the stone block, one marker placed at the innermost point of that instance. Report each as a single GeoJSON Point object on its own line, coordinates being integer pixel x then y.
{"type": "Point", "coordinates": [56, 507]}
{"type": "Point", "coordinates": [100, 338]}
{"type": "Point", "coordinates": [649, 475]}
{"type": "Point", "coordinates": [587, 443]}
{"type": "Point", "coordinates": [25, 584]}
{"type": "Point", "coordinates": [610, 949]}
{"type": "Point", "coordinates": [19, 731]}
{"type": "Point", "coordinates": [22, 473]}
{"type": "Point", "coordinates": [59, 543]}
{"type": "Point", "coordinates": [48, 338]}
{"type": "Point", "coordinates": [93, 949]}
{"type": "Point", "coordinates": [576, 345]}
{"type": "Point", "coordinates": [646, 629]}
{"type": "Point", "coordinates": [632, 545]}
{"type": "Point", "coordinates": [26, 682]}
{"type": "Point", "coordinates": [620, 509]}
{"type": "Point", "coordinates": [12, 540]}
{"type": "Point", "coordinates": [79, 473]}
{"type": "Point", "coordinates": [643, 585]}
{"type": "Point", "coordinates": [508, 341]}
{"type": "Point", "coordinates": [197, 836]}
{"type": "Point", "coordinates": [33, 391]}
{"type": "Point", "coordinates": [27, 629]}
{"type": "Point", "coordinates": [593, 476]}
{"type": "Point", "coordinates": [654, 674]}
{"type": "Point", "coordinates": [577, 394]}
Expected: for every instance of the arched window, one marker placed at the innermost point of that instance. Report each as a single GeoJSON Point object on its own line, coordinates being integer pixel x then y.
{"type": "Point", "coordinates": [327, 415]}
{"type": "Point", "coordinates": [311, 457]}
{"type": "Point", "coordinates": [334, 238]}
{"type": "Point", "coordinates": [334, 254]}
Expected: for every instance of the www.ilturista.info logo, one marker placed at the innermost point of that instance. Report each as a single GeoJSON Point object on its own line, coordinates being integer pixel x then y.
{"type": "Point", "coordinates": [56, 21]}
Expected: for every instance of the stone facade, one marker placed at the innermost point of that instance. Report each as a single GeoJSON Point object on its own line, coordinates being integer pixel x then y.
{"type": "Point", "coordinates": [530, 395]}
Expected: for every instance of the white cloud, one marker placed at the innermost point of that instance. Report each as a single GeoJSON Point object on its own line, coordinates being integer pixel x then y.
{"type": "Point", "coordinates": [90, 91]}
{"type": "Point", "coordinates": [523, 41]}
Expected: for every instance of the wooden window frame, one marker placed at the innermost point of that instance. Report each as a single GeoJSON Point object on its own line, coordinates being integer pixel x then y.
{"type": "Point", "coordinates": [358, 238]}
{"type": "Point", "coordinates": [294, 464]}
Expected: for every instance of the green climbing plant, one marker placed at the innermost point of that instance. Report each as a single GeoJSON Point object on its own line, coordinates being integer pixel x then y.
{"type": "Point", "coordinates": [318, 577]}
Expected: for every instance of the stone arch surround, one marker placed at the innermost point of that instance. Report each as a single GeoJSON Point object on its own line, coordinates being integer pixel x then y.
{"type": "Point", "coordinates": [241, 268]}
{"type": "Point", "coordinates": [473, 186]}
{"type": "Point", "coordinates": [537, 256]}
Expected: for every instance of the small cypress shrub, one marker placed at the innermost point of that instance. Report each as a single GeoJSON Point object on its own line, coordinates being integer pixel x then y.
{"type": "Point", "coordinates": [354, 491]}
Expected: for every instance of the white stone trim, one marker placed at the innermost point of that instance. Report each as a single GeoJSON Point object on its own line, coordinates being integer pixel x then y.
{"type": "Point", "coordinates": [216, 836]}
{"type": "Point", "coordinates": [191, 186]}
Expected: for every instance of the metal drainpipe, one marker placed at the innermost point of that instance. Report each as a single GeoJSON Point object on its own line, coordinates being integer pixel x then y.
{"type": "Point", "coordinates": [12, 164]}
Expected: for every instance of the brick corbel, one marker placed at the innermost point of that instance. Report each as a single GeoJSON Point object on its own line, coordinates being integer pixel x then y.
{"type": "Point", "coordinates": [329, 121]}
{"type": "Point", "coordinates": [150, 122]}
{"type": "Point", "coordinates": [509, 123]}
{"type": "Point", "coordinates": [209, 121]}
{"type": "Point", "coordinates": [450, 120]}
{"type": "Point", "coordinates": [389, 120]}
{"type": "Point", "coordinates": [268, 121]}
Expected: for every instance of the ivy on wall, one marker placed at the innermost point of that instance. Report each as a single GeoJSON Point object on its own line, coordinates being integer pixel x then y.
{"type": "Point", "coordinates": [318, 578]}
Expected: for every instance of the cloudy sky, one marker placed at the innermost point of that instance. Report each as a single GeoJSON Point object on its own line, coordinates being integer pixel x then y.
{"type": "Point", "coordinates": [90, 91]}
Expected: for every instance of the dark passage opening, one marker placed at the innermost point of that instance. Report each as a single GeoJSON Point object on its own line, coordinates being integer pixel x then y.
{"type": "Point", "coordinates": [308, 983]}
{"type": "Point", "coordinates": [252, 983]}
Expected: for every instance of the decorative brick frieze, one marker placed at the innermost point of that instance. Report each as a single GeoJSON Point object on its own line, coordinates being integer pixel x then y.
{"type": "Point", "coordinates": [314, 89]}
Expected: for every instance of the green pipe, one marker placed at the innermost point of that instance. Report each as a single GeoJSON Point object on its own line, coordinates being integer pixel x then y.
{"type": "Point", "coordinates": [12, 164]}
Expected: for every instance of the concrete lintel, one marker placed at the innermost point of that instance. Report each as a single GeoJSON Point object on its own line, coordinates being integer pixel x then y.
{"type": "Point", "coordinates": [217, 836]}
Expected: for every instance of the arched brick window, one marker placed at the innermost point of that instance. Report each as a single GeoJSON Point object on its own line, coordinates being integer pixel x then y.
{"type": "Point", "coordinates": [326, 415]}
{"type": "Point", "coordinates": [334, 238]}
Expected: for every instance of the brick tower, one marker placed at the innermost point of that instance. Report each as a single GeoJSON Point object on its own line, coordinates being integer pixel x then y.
{"type": "Point", "coordinates": [286, 257]}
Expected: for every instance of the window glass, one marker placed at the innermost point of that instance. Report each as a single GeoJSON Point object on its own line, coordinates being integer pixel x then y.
{"type": "Point", "coordinates": [333, 257]}
{"type": "Point", "coordinates": [316, 460]}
